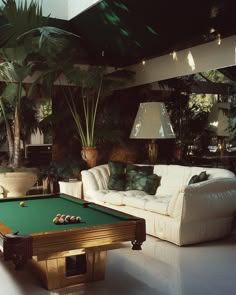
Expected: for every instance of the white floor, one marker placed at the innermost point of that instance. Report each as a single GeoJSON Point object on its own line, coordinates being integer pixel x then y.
{"type": "Point", "coordinates": [160, 268]}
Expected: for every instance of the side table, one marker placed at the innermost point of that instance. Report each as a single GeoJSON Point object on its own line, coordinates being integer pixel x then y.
{"type": "Point", "coordinates": [72, 188]}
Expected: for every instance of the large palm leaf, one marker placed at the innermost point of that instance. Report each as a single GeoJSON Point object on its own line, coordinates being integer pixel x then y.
{"type": "Point", "coordinates": [20, 18]}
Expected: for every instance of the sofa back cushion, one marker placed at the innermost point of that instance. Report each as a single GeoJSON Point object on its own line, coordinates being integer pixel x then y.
{"type": "Point", "coordinates": [174, 177]}
{"type": "Point", "coordinates": [95, 178]}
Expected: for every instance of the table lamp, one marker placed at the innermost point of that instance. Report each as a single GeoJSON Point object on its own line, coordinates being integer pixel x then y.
{"type": "Point", "coordinates": [218, 123]}
{"type": "Point", "coordinates": [152, 122]}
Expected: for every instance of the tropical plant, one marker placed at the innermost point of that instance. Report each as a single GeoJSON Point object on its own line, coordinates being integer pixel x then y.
{"type": "Point", "coordinates": [92, 85]}
{"type": "Point", "coordinates": [14, 72]}
{"type": "Point", "coordinates": [47, 49]}
{"type": "Point", "coordinates": [31, 42]}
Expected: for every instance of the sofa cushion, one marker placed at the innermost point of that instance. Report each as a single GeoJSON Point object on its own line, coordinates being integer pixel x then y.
{"type": "Point", "coordinates": [149, 203]}
{"type": "Point", "coordinates": [159, 205]}
{"type": "Point", "coordinates": [135, 199]}
{"type": "Point", "coordinates": [118, 197]}
{"type": "Point", "coordinates": [199, 178]}
{"type": "Point", "coordinates": [117, 175]}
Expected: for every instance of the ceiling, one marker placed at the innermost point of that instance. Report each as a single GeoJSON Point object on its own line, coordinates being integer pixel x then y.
{"type": "Point", "coordinates": [124, 32]}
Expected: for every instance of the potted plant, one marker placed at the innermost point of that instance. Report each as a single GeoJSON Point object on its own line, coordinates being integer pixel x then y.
{"type": "Point", "coordinates": [16, 63]}
{"type": "Point", "coordinates": [89, 83]}
{"type": "Point", "coordinates": [88, 90]}
{"type": "Point", "coordinates": [91, 86]}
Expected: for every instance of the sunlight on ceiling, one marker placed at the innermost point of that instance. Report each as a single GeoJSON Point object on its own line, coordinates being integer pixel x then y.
{"type": "Point", "coordinates": [64, 9]}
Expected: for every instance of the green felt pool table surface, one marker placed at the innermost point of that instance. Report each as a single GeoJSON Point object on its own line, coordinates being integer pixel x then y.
{"type": "Point", "coordinates": [39, 211]}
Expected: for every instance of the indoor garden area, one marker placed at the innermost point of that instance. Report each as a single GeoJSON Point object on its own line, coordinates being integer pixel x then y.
{"type": "Point", "coordinates": [117, 147]}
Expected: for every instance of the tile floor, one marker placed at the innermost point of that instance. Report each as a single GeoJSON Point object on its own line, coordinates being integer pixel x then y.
{"type": "Point", "coordinates": [160, 268]}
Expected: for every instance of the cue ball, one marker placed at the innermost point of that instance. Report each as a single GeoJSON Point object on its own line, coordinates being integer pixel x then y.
{"type": "Point", "coordinates": [22, 204]}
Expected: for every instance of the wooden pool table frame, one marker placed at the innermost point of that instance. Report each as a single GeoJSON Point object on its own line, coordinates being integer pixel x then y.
{"type": "Point", "coordinates": [47, 251]}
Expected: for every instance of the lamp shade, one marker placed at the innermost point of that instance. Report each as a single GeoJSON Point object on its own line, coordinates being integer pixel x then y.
{"type": "Point", "coordinates": [218, 121]}
{"type": "Point", "coordinates": [152, 122]}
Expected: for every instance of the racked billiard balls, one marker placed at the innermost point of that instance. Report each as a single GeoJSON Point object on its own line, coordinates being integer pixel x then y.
{"type": "Point", "coordinates": [22, 204]}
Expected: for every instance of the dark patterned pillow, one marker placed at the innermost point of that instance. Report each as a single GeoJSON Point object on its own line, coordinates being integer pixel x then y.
{"type": "Point", "coordinates": [141, 178]}
{"type": "Point", "coordinates": [147, 170]}
{"type": "Point", "coordinates": [140, 181]}
{"type": "Point", "coordinates": [199, 178]}
{"type": "Point", "coordinates": [117, 175]}
{"type": "Point", "coordinates": [131, 174]}
{"type": "Point", "coordinates": [203, 176]}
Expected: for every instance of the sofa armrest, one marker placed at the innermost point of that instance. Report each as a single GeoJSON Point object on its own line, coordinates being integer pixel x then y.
{"type": "Point", "coordinates": [215, 198]}
{"type": "Point", "coordinates": [94, 179]}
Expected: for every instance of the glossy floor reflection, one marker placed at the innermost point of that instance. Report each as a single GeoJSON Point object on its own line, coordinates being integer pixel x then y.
{"type": "Point", "coordinates": [160, 268]}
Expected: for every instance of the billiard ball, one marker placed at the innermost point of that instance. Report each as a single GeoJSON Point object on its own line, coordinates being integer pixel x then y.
{"type": "Point", "coordinates": [72, 219]}
{"type": "Point", "coordinates": [56, 220]}
{"type": "Point", "coordinates": [22, 204]}
{"type": "Point", "coordinates": [78, 219]}
{"type": "Point", "coordinates": [67, 218]}
{"type": "Point", "coordinates": [58, 215]}
{"type": "Point", "coordinates": [63, 216]}
{"type": "Point", "coordinates": [61, 220]}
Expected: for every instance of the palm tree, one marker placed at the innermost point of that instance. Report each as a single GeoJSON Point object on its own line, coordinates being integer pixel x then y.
{"type": "Point", "coordinates": [26, 43]}
{"type": "Point", "coordinates": [14, 73]}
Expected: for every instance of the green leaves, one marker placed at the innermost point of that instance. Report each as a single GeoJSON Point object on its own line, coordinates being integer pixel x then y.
{"type": "Point", "coordinates": [89, 84]}
{"type": "Point", "coordinates": [11, 71]}
{"type": "Point", "coordinates": [20, 18]}
{"type": "Point", "coordinates": [48, 39]}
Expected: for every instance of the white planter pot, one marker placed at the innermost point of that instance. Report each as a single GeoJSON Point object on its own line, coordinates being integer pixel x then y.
{"type": "Point", "coordinates": [16, 184]}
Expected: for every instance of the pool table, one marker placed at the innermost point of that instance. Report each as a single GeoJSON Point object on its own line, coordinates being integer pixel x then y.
{"type": "Point", "coordinates": [64, 254]}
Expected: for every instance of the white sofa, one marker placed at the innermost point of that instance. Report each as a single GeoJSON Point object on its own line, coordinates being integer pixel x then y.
{"type": "Point", "coordinates": [180, 213]}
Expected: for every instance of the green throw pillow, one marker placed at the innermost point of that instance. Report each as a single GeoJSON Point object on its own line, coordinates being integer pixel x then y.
{"type": "Point", "coordinates": [137, 180]}
{"type": "Point", "coordinates": [117, 175]}
{"type": "Point", "coordinates": [198, 178]}
{"type": "Point", "coordinates": [147, 170]}
{"type": "Point", "coordinates": [131, 174]}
